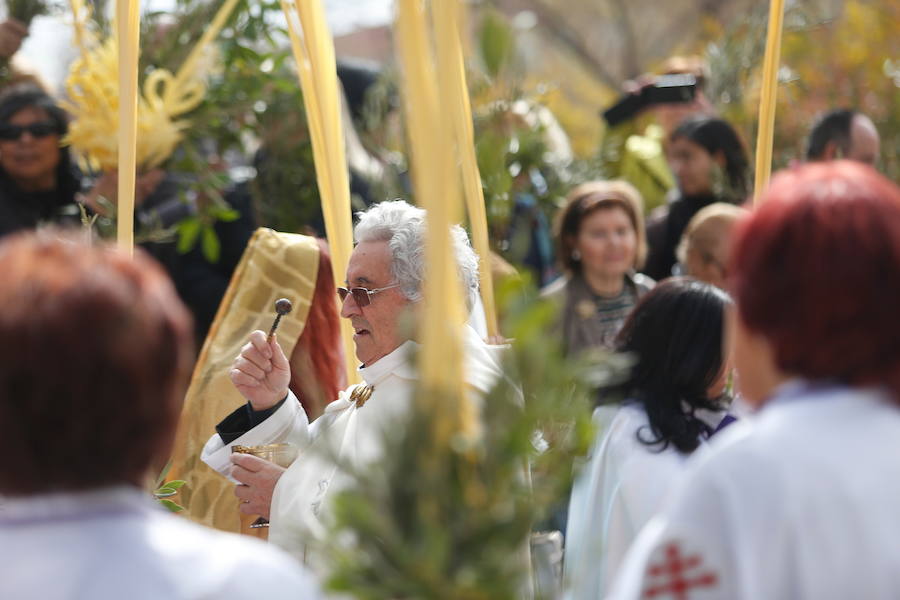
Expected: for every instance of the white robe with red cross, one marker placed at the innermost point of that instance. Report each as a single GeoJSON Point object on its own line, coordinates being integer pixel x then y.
{"type": "Point", "coordinates": [801, 503]}
{"type": "Point", "coordinates": [619, 489]}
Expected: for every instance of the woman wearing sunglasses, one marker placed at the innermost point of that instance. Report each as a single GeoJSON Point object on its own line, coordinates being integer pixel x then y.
{"type": "Point", "coordinates": [38, 183]}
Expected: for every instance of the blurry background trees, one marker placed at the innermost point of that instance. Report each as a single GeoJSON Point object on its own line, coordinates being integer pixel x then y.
{"type": "Point", "coordinates": [835, 53]}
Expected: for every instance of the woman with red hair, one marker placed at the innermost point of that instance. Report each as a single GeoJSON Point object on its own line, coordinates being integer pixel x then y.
{"type": "Point", "coordinates": [95, 350]}
{"type": "Point", "coordinates": [802, 501]}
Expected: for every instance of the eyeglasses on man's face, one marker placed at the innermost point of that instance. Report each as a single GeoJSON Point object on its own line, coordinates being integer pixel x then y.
{"type": "Point", "coordinates": [11, 132]}
{"type": "Point", "coordinates": [362, 296]}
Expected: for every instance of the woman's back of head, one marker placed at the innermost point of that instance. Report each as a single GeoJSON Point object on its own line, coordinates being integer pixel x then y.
{"type": "Point", "coordinates": [96, 351]}
{"type": "Point", "coordinates": [675, 335]}
{"type": "Point", "coordinates": [815, 271]}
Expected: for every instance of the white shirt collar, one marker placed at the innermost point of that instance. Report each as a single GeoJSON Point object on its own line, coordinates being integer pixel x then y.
{"type": "Point", "coordinates": [77, 505]}
{"type": "Point", "coordinates": [396, 360]}
{"type": "Point", "coordinates": [797, 388]}
{"type": "Point", "coordinates": [479, 361]}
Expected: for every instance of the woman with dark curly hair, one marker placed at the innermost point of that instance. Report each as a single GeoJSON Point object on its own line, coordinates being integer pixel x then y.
{"type": "Point", "coordinates": [674, 400]}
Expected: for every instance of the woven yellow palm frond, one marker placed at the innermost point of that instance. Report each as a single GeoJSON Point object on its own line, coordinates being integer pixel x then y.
{"type": "Point", "coordinates": [93, 99]}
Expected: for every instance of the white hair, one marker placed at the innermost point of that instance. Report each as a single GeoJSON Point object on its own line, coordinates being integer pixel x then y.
{"type": "Point", "coordinates": [402, 226]}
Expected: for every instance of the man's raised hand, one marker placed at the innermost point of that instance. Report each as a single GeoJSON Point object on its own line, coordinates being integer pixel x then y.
{"type": "Point", "coordinates": [261, 372]}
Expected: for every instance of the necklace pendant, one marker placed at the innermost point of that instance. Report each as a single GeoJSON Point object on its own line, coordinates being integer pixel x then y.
{"type": "Point", "coordinates": [586, 309]}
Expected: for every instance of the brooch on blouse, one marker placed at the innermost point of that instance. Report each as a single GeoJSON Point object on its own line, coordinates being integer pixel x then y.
{"type": "Point", "coordinates": [361, 394]}
{"type": "Point", "coordinates": [586, 309]}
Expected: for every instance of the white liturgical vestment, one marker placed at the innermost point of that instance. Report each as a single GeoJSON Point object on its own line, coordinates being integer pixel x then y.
{"type": "Point", "coordinates": [116, 543]}
{"type": "Point", "coordinates": [346, 432]}
{"type": "Point", "coordinates": [802, 503]}
{"type": "Point", "coordinates": [619, 490]}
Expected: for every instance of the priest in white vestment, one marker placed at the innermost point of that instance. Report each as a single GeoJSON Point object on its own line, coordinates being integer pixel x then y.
{"type": "Point", "coordinates": [384, 277]}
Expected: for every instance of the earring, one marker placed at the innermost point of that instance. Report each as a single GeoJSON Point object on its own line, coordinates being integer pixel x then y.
{"type": "Point", "coordinates": [576, 255]}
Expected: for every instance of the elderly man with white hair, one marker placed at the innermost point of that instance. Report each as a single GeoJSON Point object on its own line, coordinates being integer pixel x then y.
{"type": "Point", "coordinates": [384, 284]}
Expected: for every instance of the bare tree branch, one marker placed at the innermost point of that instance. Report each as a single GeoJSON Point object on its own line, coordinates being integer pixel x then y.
{"type": "Point", "coordinates": [630, 58]}
{"type": "Point", "coordinates": [557, 26]}
{"type": "Point", "coordinates": [663, 45]}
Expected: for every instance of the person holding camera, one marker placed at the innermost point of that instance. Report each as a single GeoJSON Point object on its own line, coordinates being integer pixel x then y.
{"type": "Point", "coordinates": [633, 149]}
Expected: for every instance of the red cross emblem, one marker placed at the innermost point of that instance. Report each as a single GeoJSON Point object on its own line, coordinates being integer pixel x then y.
{"type": "Point", "coordinates": [677, 575]}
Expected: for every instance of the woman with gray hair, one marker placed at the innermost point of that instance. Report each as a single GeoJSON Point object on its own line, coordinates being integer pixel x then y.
{"type": "Point", "coordinates": [383, 283]}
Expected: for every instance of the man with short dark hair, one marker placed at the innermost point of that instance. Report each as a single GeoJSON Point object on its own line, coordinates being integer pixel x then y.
{"type": "Point", "coordinates": [844, 133]}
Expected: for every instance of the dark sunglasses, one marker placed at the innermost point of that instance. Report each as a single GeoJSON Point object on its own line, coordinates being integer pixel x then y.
{"type": "Point", "coordinates": [37, 130]}
{"type": "Point", "coordinates": [362, 296]}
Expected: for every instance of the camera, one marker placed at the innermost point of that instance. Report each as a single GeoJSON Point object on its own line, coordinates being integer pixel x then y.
{"type": "Point", "coordinates": [667, 89]}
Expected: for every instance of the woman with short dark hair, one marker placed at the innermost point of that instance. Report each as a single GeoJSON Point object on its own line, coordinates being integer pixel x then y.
{"type": "Point", "coordinates": [802, 501]}
{"type": "Point", "coordinates": [601, 244]}
{"type": "Point", "coordinates": [674, 399]}
{"type": "Point", "coordinates": [95, 352]}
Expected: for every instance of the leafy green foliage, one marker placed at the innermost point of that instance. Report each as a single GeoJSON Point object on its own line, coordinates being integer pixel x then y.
{"type": "Point", "coordinates": [210, 244]}
{"type": "Point", "coordinates": [163, 492]}
{"type": "Point", "coordinates": [517, 164]}
{"type": "Point", "coordinates": [253, 107]}
{"type": "Point", "coordinates": [522, 152]}
{"type": "Point", "coordinates": [824, 65]}
{"type": "Point", "coordinates": [171, 506]}
{"type": "Point", "coordinates": [496, 42]}
{"type": "Point", "coordinates": [454, 522]}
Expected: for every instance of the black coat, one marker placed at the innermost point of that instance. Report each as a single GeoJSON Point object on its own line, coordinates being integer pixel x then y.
{"type": "Point", "coordinates": [20, 210]}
